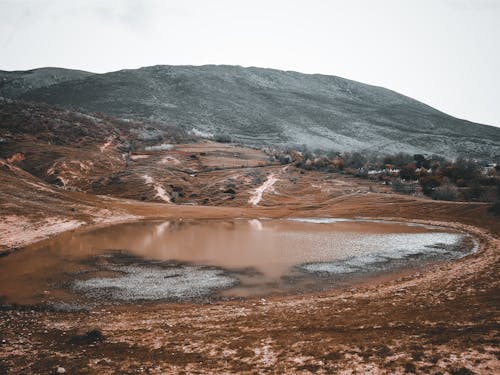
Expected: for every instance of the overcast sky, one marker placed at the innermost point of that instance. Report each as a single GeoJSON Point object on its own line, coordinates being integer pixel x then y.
{"type": "Point", "coordinates": [445, 53]}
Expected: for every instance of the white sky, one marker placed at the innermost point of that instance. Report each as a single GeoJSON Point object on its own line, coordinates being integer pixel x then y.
{"type": "Point", "coordinates": [445, 53]}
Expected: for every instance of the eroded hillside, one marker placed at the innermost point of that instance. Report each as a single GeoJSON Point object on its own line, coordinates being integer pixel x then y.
{"type": "Point", "coordinates": [62, 167]}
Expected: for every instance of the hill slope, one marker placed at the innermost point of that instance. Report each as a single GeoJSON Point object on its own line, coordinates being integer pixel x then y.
{"type": "Point", "coordinates": [13, 84]}
{"type": "Point", "coordinates": [264, 106]}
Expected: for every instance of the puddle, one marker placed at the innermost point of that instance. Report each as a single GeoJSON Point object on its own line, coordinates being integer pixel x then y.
{"type": "Point", "coordinates": [198, 259]}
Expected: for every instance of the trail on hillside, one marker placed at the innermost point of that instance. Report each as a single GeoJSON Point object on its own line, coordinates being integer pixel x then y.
{"type": "Point", "coordinates": [267, 185]}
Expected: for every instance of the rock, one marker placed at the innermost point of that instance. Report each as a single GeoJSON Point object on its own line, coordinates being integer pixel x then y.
{"type": "Point", "coordinates": [61, 370]}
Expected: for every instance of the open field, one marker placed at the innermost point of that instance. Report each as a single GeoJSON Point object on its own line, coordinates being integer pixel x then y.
{"type": "Point", "coordinates": [443, 319]}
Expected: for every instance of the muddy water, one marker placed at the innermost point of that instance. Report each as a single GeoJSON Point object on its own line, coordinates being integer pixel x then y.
{"type": "Point", "coordinates": [178, 260]}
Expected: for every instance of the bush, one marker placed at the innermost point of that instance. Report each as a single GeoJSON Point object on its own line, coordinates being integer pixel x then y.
{"type": "Point", "coordinates": [401, 188]}
{"type": "Point", "coordinates": [495, 209]}
{"type": "Point", "coordinates": [401, 159]}
{"type": "Point", "coordinates": [430, 184]}
{"type": "Point", "coordinates": [285, 159]}
{"type": "Point", "coordinates": [474, 192]}
{"type": "Point", "coordinates": [222, 138]}
{"type": "Point", "coordinates": [354, 160]}
{"type": "Point", "coordinates": [408, 172]}
{"type": "Point", "coordinates": [462, 371]}
{"type": "Point", "coordinates": [91, 337]}
{"type": "Point", "coordinates": [465, 169]}
{"type": "Point", "coordinates": [445, 193]}
{"type": "Point", "coordinates": [410, 368]}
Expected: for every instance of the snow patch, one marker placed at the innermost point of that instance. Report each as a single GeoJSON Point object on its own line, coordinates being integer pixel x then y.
{"type": "Point", "coordinates": [200, 133]}
{"type": "Point", "coordinates": [162, 194]}
{"type": "Point", "coordinates": [162, 147]}
{"type": "Point", "coordinates": [265, 353]}
{"type": "Point", "coordinates": [267, 185]}
{"type": "Point", "coordinates": [160, 191]}
{"type": "Point", "coordinates": [108, 143]}
{"type": "Point", "coordinates": [156, 283]}
{"type": "Point", "coordinates": [390, 247]}
{"type": "Point", "coordinates": [148, 179]}
{"type": "Point", "coordinates": [138, 157]}
{"type": "Point", "coordinates": [107, 217]}
{"type": "Point", "coordinates": [320, 220]}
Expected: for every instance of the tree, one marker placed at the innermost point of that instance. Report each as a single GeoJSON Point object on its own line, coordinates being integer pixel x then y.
{"type": "Point", "coordinates": [429, 184]}
{"type": "Point", "coordinates": [408, 172]}
{"type": "Point", "coordinates": [354, 160]}
{"type": "Point", "coordinates": [419, 160]}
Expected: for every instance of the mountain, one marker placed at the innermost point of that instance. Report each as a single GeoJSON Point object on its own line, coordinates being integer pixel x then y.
{"type": "Point", "coordinates": [257, 106]}
{"type": "Point", "coordinates": [13, 84]}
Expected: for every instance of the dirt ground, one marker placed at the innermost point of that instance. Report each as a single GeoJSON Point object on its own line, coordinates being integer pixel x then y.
{"type": "Point", "coordinates": [441, 320]}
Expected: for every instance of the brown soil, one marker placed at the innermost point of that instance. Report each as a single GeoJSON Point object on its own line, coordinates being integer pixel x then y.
{"type": "Point", "coordinates": [444, 319]}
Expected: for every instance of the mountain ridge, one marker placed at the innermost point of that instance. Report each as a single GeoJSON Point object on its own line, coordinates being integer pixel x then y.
{"type": "Point", "coordinates": [260, 106]}
{"type": "Point", "coordinates": [16, 82]}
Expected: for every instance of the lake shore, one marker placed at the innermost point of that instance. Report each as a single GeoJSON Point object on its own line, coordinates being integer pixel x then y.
{"type": "Point", "coordinates": [442, 319]}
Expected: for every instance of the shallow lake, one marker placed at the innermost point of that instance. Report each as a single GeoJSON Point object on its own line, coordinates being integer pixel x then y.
{"type": "Point", "coordinates": [199, 259]}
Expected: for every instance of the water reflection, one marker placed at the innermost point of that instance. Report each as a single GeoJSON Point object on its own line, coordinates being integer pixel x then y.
{"type": "Point", "coordinates": [263, 255]}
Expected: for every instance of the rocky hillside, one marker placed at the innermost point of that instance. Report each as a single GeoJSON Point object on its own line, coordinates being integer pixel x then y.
{"type": "Point", "coordinates": [14, 84]}
{"type": "Point", "coordinates": [72, 149]}
{"type": "Point", "coordinates": [258, 106]}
